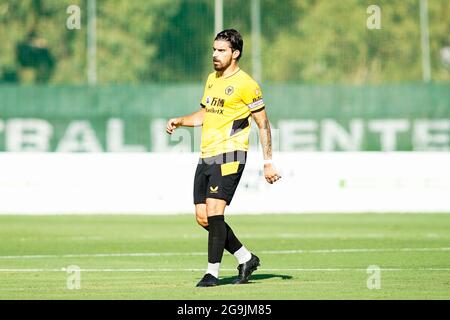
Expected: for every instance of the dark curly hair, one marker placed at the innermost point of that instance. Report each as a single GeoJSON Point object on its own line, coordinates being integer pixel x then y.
{"type": "Point", "coordinates": [234, 38]}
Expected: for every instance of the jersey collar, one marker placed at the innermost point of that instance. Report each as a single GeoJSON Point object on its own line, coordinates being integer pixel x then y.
{"type": "Point", "coordinates": [230, 75]}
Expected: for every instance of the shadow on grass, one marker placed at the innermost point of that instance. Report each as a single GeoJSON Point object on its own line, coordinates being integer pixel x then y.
{"type": "Point", "coordinates": [255, 277]}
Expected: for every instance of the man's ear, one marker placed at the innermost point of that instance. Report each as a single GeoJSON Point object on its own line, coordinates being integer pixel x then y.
{"type": "Point", "coordinates": [236, 54]}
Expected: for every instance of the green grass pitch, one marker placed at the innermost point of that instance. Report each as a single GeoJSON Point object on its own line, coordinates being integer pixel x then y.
{"type": "Point", "coordinates": [305, 256]}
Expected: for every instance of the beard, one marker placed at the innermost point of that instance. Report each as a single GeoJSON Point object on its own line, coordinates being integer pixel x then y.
{"type": "Point", "coordinates": [221, 66]}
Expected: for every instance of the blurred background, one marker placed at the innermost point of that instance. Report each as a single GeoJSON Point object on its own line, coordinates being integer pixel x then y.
{"type": "Point", "coordinates": [161, 41]}
{"type": "Point", "coordinates": [344, 61]}
{"type": "Point", "coordinates": [103, 76]}
{"type": "Point", "coordinates": [358, 96]}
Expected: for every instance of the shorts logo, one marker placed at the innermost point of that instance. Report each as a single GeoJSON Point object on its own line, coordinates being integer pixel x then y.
{"type": "Point", "coordinates": [229, 90]}
{"type": "Point", "coordinates": [213, 190]}
{"type": "Point", "coordinates": [208, 100]}
{"type": "Point", "coordinates": [210, 86]}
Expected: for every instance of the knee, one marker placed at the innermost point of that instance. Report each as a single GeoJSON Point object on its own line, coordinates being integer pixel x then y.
{"type": "Point", "coordinates": [202, 221]}
{"type": "Point", "coordinates": [215, 207]}
{"type": "Point", "coordinates": [201, 216]}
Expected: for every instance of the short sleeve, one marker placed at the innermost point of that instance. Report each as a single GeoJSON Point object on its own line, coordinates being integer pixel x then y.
{"type": "Point", "coordinates": [203, 102]}
{"type": "Point", "coordinates": [252, 96]}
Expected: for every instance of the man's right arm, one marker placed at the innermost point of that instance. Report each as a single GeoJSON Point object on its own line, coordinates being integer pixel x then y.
{"type": "Point", "coordinates": [193, 120]}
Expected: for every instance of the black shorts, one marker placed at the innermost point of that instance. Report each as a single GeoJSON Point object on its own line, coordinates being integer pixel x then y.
{"type": "Point", "coordinates": [218, 177]}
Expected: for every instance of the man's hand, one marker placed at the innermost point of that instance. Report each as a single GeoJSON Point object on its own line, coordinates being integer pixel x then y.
{"type": "Point", "coordinates": [172, 124]}
{"type": "Point", "coordinates": [270, 173]}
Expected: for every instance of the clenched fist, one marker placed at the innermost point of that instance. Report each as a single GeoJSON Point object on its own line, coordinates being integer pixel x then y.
{"type": "Point", "coordinates": [172, 124]}
{"type": "Point", "coordinates": [271, 174]}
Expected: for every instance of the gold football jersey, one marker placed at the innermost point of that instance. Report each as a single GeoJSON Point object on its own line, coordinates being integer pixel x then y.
{"type": "Point", "coordinates": [229, 102]}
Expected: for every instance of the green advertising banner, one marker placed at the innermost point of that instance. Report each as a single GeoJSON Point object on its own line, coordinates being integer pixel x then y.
{"type": "Point", "coordinates": [125, 118]}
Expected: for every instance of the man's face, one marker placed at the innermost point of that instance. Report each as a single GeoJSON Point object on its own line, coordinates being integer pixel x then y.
{"type": "Point", "coordinates": [222, 55]}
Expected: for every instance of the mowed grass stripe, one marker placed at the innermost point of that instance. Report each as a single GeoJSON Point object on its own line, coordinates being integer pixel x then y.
{"type": "Point", "coordinates": [163, 257]}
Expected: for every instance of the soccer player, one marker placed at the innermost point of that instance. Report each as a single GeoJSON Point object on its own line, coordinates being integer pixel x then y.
{"type": "Point", "coordinates": [231, 98]}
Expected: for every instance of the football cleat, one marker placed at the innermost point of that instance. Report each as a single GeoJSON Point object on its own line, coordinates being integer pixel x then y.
{"type": "Point", "coordinates": [208, 280]}
{"type": "Point", "coordinates": [246, 269]}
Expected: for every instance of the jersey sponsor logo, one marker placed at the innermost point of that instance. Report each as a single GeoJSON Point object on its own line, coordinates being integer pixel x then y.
{"type": "Point", "coordinates": [214, 189]}
{"type": "Point", "coordinates": [214, 110]}
{"type": "Point", "coordinates": [217, 102]}
{"type": "Point", "coordinates": [229, 90]}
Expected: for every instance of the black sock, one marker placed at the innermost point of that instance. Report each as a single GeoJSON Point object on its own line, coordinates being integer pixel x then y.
{"type": "Point", "coordinates": [216, 238]}
{"type": "Point", "coordinates": [232, 243]}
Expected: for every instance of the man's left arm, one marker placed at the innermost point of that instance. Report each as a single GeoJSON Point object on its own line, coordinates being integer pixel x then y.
{"type": "Point", "coordinates": [265, 137]}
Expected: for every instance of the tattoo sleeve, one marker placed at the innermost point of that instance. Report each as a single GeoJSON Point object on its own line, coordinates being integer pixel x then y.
{"type": "Point", "coordinates": [265, 136]}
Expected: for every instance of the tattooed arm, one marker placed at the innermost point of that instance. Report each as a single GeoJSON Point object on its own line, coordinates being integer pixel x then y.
{"type": "Point", "coordinates": [265, 137]}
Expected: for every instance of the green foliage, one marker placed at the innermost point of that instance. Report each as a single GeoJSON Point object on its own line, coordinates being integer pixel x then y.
{"type": "Point", "coordinates": [307, 41]}
{"type": "Point", "coordinates": [331, 43]}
